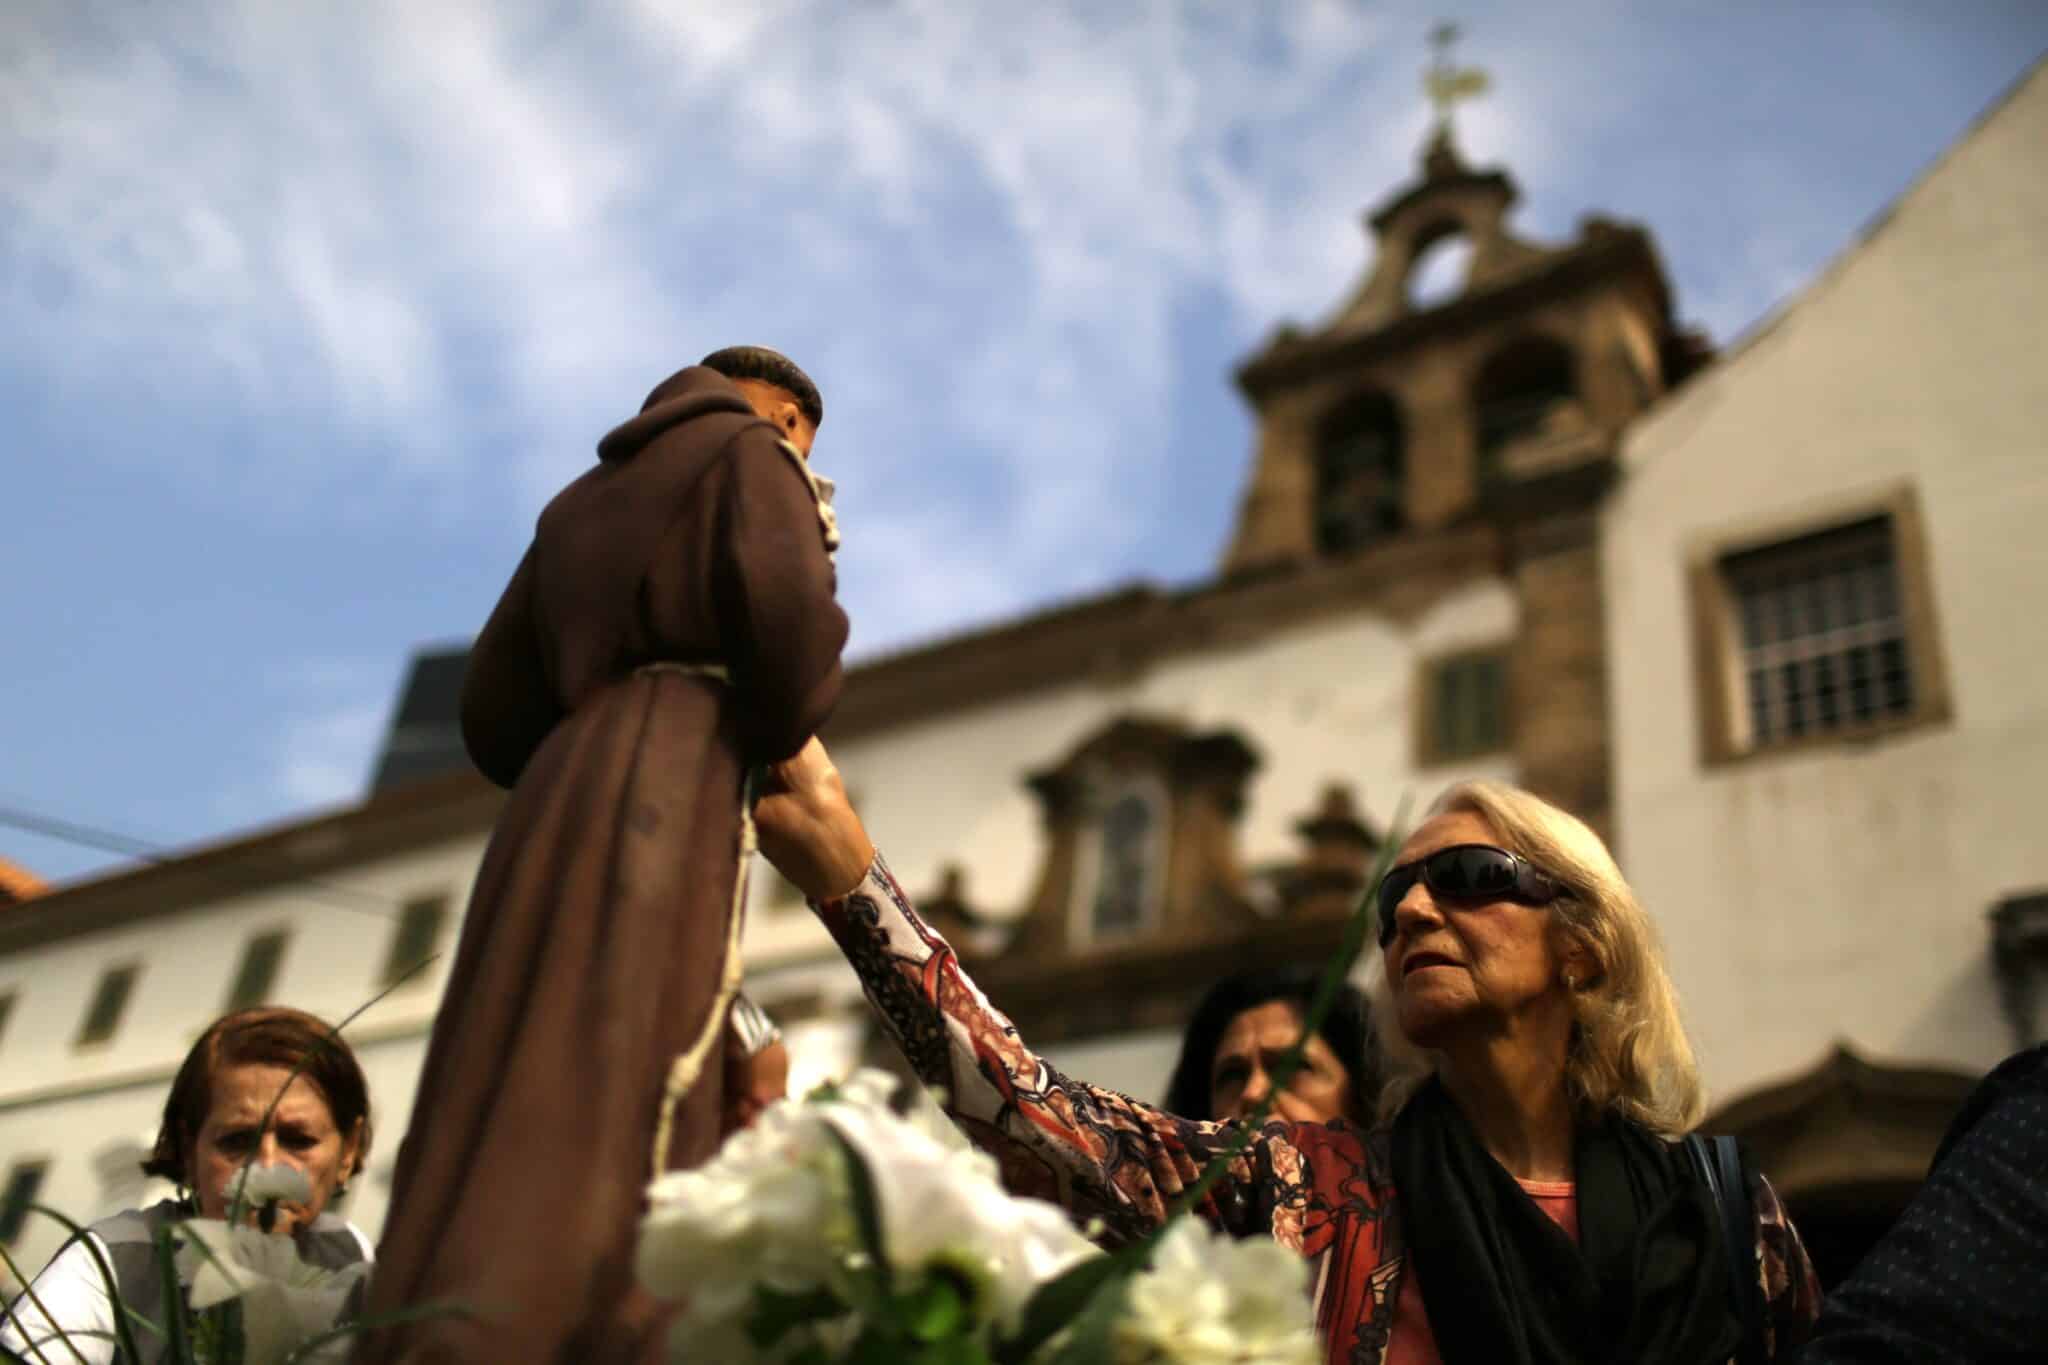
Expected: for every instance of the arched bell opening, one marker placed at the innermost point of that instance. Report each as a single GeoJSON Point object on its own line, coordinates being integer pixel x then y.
{"type": "Point", "coordinates": [1526, 393]}
{"type": "Point", "coordinates": [1361, 468]}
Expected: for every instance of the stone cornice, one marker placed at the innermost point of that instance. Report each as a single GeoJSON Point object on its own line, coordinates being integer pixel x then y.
{"type": "Point", "coordinates": [1291, 358]}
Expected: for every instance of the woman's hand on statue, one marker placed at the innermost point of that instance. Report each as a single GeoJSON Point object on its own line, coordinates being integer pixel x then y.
{"type": "Point", "coordinates": [808, 828]}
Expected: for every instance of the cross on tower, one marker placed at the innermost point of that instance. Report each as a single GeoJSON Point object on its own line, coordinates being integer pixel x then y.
{"type": "Point", "coordinates": [1446, 83]}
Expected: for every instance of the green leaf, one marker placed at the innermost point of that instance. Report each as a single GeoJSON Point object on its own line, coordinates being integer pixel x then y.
{"type": "Point", "coordinates": [874, 1348]}
{"type": "Point", "coordinates": [936, 1309]}
{"type": "Point", "coordinates": [1061, 1299]}
{"type": "Point", "coordinates": [1357, 930]}
{"type": "Point", "coordinates": [867, 1208]}
{"type": "Point", "coordinates": [173, 1296]}
{"type": "Point", "coordinates": [397, 1317]}
{"type": "Point", "coordinates": [124, 1336]}
{"type": "Point", "coordinates": [1091, 1339]}
{"type": "Point", "coordinates": [775, 1313]}
{"type": "Point", "coordinates": [960, 1350]}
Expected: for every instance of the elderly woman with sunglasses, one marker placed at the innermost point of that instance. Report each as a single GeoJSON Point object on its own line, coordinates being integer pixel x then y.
{"type": "Point", "coordinates": [1522, 1199]}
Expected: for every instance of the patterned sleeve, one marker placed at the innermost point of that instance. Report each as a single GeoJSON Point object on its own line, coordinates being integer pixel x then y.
{"type": "Point", "coordinates": [1791, 1289]}
{"type": "Point", "coordinates": [1096, 1153]}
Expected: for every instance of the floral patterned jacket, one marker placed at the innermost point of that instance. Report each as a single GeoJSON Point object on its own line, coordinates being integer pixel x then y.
{"type": "Point", "coordinates": [1324, 1190]}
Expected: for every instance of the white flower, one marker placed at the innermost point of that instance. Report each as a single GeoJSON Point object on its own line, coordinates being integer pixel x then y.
{"type": "Point", "coordinates": [1209, 1300]}
{"type": "Point", "coordinates": [770, 1208]}
{"type": "Point", "coordinates": [774, 1207]}
{"type": "Point", "coordinates": [942, 1202]}
{"type": "Point", "coordinates": [286, 1301]}
{"type": "Point", "coordinates": [260, 1185]}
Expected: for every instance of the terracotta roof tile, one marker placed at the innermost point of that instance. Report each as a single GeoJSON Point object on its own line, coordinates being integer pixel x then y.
{"type": "Point", "coordinates": [17, 883]}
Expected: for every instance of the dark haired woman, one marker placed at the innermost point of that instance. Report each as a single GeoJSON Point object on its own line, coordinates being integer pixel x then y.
{"type": "Point", "coordinates": [1242, 1027]}
{"type": "Point", "coordinates": [213, 1125]}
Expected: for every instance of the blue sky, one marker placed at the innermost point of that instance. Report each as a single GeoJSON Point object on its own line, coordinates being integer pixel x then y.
{"type": "Point", "coordinates": [309, 307]}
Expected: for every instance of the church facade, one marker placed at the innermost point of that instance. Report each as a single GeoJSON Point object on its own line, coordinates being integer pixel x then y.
{"type": "Point", "coordinates": [1519, 532]}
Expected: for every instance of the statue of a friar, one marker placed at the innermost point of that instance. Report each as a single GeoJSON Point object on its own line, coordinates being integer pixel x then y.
{"type": "Point", "coordinates": [671, 629]}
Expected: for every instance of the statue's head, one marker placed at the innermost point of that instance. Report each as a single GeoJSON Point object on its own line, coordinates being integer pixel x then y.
{"type": "Point", "coordinates": [779, 391]}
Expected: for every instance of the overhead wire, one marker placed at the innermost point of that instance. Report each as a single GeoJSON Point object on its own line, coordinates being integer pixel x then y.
{"type": "Point", "coordinates": [142, 850]}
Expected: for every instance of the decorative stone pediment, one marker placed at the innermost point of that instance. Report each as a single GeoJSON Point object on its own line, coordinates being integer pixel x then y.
{"type": "Point", "coordinates": [1846, 1123]}
{"type": "Point", "coordinates": [1141, 825]}
{"type": "Point", "coordinates": [1845, 1145]}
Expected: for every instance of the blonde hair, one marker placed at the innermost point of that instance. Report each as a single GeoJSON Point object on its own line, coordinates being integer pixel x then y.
{"type": "Point", "coordinates": [1629, 1055]}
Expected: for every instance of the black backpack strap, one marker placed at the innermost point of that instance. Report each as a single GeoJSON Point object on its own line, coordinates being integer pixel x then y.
{"type": "Point", "coordinates": [1718, 1162]}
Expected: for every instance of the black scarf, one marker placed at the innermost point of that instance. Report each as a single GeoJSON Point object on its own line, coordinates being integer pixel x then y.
{"type": "Point", "coordinates": [1505, 1286]}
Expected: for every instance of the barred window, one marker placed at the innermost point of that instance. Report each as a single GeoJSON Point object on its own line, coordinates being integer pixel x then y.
{"type": "Point", "coordinates": [1823, 636]}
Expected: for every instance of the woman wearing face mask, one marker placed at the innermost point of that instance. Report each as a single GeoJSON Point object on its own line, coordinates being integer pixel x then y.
{"type": "Point", "coordinates": [316, 1140]}
{"type": "Point", "coordinates": [1523, 1200]}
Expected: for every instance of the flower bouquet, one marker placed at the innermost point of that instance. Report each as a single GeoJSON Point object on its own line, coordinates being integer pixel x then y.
{"type": "Point", "coordinates": [238, 1295]}
{"type": "Point", "coordinates": [836, 1230]}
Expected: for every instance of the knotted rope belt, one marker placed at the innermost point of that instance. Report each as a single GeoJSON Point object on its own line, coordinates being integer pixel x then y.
{"type": "Point", "coordinates": [688, 1066]}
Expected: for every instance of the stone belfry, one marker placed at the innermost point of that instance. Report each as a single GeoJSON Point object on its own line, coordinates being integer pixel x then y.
{"type": "Point", "coordinates": [1400, 415]}
{"type": "Point", "coordinates": [1413, 444]}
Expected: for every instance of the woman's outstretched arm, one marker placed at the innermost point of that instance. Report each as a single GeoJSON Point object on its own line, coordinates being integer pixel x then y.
{"type": "Point", "coordinates": [1097, 1153]}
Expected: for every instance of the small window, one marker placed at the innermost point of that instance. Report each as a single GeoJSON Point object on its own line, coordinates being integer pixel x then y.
{"type": "Point", "coordinates": [257, 976]}
{"type": "Point", "coordinates": [108, 1001]}
{"type": "Point", "coordinates": [1465, 706]}
{"type": "Point", "coordinates": [1124, 860]}
{"type": "Point", "coordinates": [1823, 634]}
{"type": "Point", "coordinates": [1818, 636]}
{"type": "Point", "coordinates": [24, 1184]}
{"type": "Point", "coordinates": [417, 937]}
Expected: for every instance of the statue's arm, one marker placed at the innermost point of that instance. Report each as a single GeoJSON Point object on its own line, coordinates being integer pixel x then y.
{"type": "Point", "coordinates": [780, 621]}
{"type": "Point", "coordinates": [507, 705]}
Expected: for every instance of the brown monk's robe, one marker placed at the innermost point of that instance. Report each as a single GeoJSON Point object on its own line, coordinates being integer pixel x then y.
{"type": "Point", "coordinates": [596, 935]}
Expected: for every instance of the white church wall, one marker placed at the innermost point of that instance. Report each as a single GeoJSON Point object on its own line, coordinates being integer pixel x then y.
{"type": "Point", "coordinates": [1840, 891]}
{"type": "Point", "coordinates": [1326, 702]}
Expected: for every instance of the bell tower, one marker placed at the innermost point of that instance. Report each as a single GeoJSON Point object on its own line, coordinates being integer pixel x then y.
{"type": "Point", "coordinates": [1400, 415]}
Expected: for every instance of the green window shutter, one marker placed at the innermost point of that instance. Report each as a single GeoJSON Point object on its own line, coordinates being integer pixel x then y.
{"type": "Point", "coordinates": [257, 976]}
{"type": "Point", "coordinates": [1468, 706]}
{"type": "Point", "coordinates": [108, 1001]}
{"type": "Point", "coordinates": [24, 1183]}
{"type": "Point", "coordinates": [417, 937]}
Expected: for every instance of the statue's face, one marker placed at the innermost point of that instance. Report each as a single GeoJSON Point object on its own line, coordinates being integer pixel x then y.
{"type": "Point", "coordinates": [779, 405]}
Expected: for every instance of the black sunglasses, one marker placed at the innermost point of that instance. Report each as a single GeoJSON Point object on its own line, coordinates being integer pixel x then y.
{"type": "Point", "coordinates": [1465, 872]}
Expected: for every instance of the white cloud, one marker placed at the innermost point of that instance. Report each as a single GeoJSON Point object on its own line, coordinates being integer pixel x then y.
{"type": "Point", "coordinates": [461, 238]}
